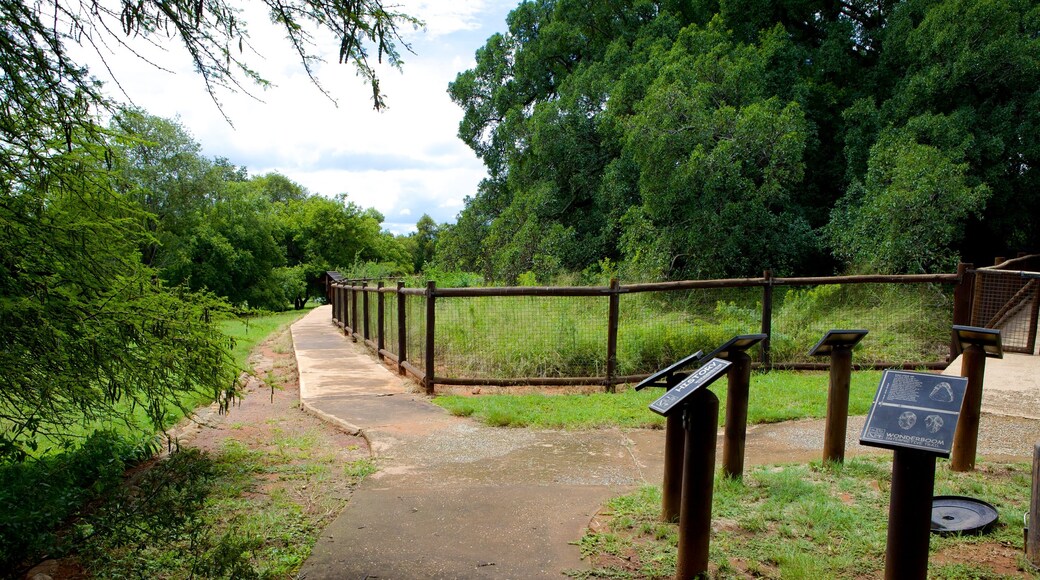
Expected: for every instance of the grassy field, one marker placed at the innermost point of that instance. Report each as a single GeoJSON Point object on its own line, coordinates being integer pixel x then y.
{"type": "Point", "coordinates": [774, 396]}
{"type": "Point", "coordinates": [249, 331]}
{"type": "Point", "coordinates": [500, 337]}
{"type": "Point", "coordinates": [808, 521]}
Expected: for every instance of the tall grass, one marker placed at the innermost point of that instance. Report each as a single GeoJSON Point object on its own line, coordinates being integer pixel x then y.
{"type": "Point", "coordinates": [560, 336]}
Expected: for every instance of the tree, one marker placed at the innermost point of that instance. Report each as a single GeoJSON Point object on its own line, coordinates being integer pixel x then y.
{"type": "Point", "coordinates": [161, 168]}
{"type": "Point", "coordinates": [89, 330]}
{"type": "Point", "coordinates": [425, 238]}
{"type": "Point", "coordinates": [909, 213]}
{"type": "Point", "coordinates": [722, 138]}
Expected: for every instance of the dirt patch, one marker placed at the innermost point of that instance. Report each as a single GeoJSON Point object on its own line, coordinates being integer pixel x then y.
{"type": "Point", "coordinates": [1000, 559]}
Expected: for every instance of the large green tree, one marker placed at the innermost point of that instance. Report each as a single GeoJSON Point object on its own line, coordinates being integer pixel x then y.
{"type": "Point", "coordinates": [709, 137]}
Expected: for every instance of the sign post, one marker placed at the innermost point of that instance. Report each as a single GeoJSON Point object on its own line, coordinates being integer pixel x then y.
{"type": "Point", "coordinates": [976, 344]}
{"type": "Point", "coordinates": [674, 438]}
{"type": "Point", "coordinates": [838, 344]}
{"type": "Point", "coordinates": [699, 409]}
{"type": "Point", "coordinates": [916, 415]}
{"type": "Point", "coordinates": [737, 393]}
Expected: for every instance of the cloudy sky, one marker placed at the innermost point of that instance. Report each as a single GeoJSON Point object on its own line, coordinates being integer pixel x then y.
{"type": "Point", "coordinates": [404, 161]}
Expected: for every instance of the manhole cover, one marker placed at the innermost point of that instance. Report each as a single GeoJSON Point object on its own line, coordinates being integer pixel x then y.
{"type": "Point", "coordinates": [953, 514]}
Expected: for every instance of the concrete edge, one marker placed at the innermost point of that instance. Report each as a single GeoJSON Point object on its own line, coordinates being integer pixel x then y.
{"type": "Point", "coordinates": [306, 407]}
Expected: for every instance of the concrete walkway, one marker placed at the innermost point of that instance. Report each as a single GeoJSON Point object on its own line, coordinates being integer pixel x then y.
{"type": "Point", "coordinates": [456, 499]}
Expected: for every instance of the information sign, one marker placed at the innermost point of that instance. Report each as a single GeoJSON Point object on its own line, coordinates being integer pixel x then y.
{"type": "Point", "coordinates": [699, 378]}
{"type": "Point", "coordinates": [915, 411]}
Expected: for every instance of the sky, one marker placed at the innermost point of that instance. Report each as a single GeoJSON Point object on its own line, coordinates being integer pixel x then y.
{"type": "Point", "coordinates": [403, 161]}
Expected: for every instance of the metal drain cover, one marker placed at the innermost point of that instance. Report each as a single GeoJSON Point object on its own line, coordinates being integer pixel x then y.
{"type": "Point", "coordinates": [954, 514]}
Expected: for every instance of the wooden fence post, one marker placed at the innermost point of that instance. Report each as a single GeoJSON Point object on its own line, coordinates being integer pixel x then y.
{"type": "Point", "coordinates": [402, 330]}
{"type": "Point", "coordinates": [364, 315]}
{"type": "Point", "coordinates": [335, 304]}
{"type": "Point", "coordinates": [1033, 518]}
{"type": "Point", "coordinates": [353, 313]}
{"type": "Point", "coordinates": [962, 298]}
{"type": "Point", "coordinates": [612, 331]}
{"type": "Point", "coordinates": [431, 321]}
{"type": "Point", "coordinates": [767, 316]}
{"type": "Point", "coordinates": [380, 321]}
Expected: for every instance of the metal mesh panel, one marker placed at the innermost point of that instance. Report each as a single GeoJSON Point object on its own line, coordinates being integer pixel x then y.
{"type": "Point", "coordinates": [415, 313]}
{"type": "Point", "coordinates": [390, 323]}
{"type": "Point", "coordinates": [1007, 301]}
{"type": "Point", "coordinates": [907, 323]}
{"type": "Point", "coordinates": [656, 329]}
{"type": "Point", "coordinates": [369, 303]}
{"type": "Point", "coordinates": [507, 337]}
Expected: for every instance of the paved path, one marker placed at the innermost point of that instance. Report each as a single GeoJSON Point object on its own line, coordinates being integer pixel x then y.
{"type": "Point", "coordinates": [456, 499]}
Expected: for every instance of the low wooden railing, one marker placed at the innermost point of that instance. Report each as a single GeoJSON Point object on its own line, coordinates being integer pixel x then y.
{"type": "Point", "coordinates": [414, 312]}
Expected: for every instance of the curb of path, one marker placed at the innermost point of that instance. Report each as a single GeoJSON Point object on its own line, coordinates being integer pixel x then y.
{"type": "Point", "coordinates": [333, 420]}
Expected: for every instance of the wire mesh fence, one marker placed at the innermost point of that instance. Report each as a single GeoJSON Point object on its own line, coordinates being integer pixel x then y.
{"type": "Point", "coordinates": [483, 337]}
{"type": "Point", "coordinates": [658, 328]}
{"type": "Point", "coordinates": [611, 335]}
{"type": "Point", "coordinates": [908, 323]}
{"type": "Point", "coordinates": [415, 330]}
{"type": "Point", "coordinates": [1008, 300]}
{"type": "Point", "coordinates": [390, 324]}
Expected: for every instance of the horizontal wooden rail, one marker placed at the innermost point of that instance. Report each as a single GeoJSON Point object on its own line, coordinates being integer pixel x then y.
{"type": "Point", "coordinates": [894, 279]}
{"type": "Point", "coordinates": [870, 366]}
{"type": "Point", "coordinates": [532, 381]}
{"type": "Point", "coordinates": [414, 371]}
{"type": "Point", "coordinates": [525, 291]}
{"type": "Point", "coordinates": [693, 284]}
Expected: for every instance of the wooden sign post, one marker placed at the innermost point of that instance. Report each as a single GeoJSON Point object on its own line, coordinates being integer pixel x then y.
{"type": "Point", "coordinates": [838, 344]}
{"type": "Point", "coordinates": [674, 437]}
{"type": "Point", "coordinates": [914, 414]}
{"type": "Point", "coordinates": [699, 409]}
{"type": "Point", "coordinates": [976, 344]}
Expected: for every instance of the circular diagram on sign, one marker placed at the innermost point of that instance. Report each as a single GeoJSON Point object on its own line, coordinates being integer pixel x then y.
{"type": "Point", "coordinates": [907, 419]}
{"type": "Point", "coordinates": [933, 423]}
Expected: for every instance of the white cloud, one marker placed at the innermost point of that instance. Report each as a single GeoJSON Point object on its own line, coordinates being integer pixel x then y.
{"type": "Point", "coordinates": [404, 159]}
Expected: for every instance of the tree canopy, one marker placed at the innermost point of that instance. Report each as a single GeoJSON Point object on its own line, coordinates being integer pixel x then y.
{"type": "Point", "coordinates": [115, 234]}
{"type": "Point", "coordinates": [706, 138]}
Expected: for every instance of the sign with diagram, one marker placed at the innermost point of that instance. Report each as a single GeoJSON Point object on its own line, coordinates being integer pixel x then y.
{"type": "Point", "coordinates": [915, 411]}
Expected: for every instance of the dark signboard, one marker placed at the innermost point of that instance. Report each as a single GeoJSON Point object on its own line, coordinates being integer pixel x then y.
{"type": "Point", "coordinates": [699, 378]}
{"type": "Point", "coordinates": [915, 411]}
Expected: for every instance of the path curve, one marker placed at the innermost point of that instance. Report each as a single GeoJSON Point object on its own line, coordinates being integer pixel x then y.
{"type": "Point", "coordinates": [454, 498]}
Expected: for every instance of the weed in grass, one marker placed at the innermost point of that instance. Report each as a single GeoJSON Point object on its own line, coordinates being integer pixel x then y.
{"type": "Point", "coordinates": [359, 469]}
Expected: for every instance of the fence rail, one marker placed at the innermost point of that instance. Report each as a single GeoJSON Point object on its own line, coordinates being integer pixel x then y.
{"type": "Point", "coordinates": [616, 334]}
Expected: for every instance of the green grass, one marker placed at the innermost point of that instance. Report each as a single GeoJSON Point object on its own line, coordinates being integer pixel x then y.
{"type": "Point", "coordinates": [250, 331]}
{"type": "Point", "coordinates": [499, 337]}
{"type": "Point", "coordinates": [774, 396]}
{"type": "Point", "coordinates": [800, 521]}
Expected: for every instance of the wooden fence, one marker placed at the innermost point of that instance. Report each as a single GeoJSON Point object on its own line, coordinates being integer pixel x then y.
{"type": "Point", "coordinates": [403, 327]}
